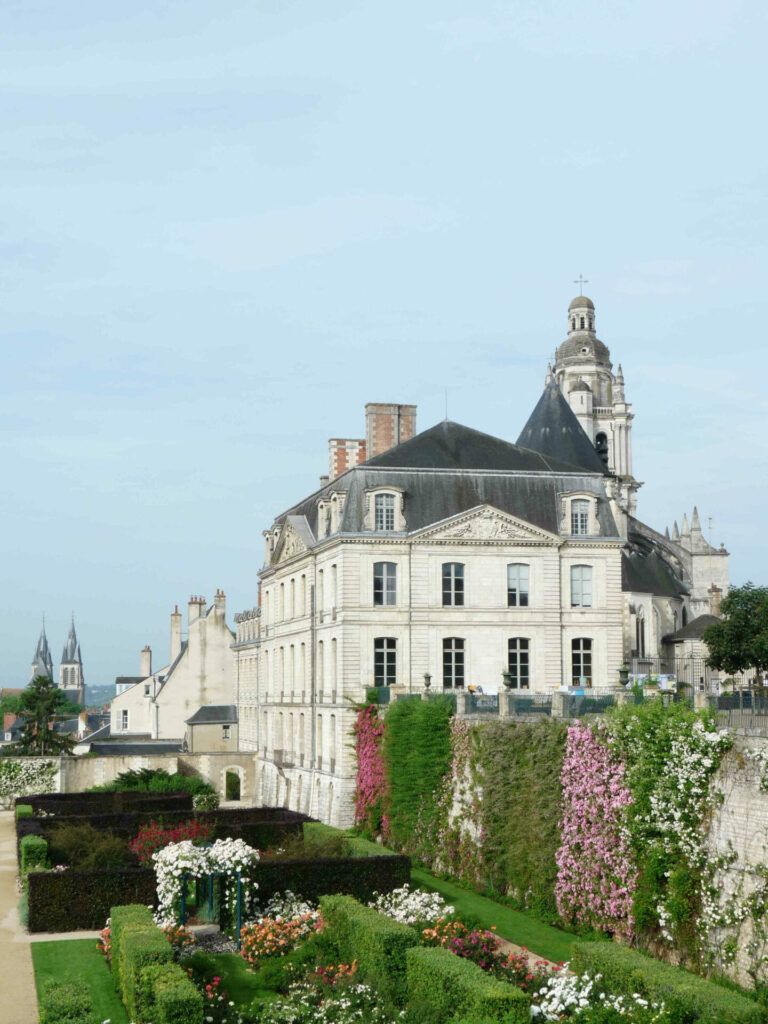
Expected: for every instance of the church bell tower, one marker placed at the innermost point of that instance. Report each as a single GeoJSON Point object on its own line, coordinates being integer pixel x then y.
{"type": "Point", "coordinates": [584, 373]}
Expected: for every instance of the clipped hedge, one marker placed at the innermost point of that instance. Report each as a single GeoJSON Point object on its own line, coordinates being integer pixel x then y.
{"type": "Point", "coordinates": [24, 811]}
{"type": "Point", "coordinates": [377, 942]}
{"type": "Point", "coordinates": [63, 901]}
{"type": "Point", "coordinates": [314, 877]}
{"type": "Point", "coordinates": [169, 997]}
{"type": "Point", "coordinates": [105, 802]}
{"type": "Point", "coordinates": [34, 854]}
{"type": "Point", "coordinates": [691, 997]}
{"type": "Point", "coordinates": [121, 918]}
{"type": "Point", "coordinates": [141, 946]}
{"type": "Point", "coordinates": [443, 986]}
{"type": "Point", "coordinates": [66, 1004]}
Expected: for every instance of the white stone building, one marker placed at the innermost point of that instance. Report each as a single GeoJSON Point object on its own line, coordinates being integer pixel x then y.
{"type": "Point", "coordinates": [454, 557]}
{"type": "Point", "coordinates": [157, 705]}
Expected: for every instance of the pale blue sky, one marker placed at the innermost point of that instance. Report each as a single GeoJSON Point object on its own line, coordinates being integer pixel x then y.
{"type": "Point", "coordinates": [226, 226]}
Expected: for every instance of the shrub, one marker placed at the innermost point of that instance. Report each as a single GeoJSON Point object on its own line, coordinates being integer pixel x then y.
{"type": "Point", "coordinates": [475, 944]}
{"type": "Point", "coordinates": [205, 801]}
{"type": "Point", "coordinates": [169, 997]}
{"type": "Point", "coordinates": [443, 987]}
{"type": "Point", "coordinates": [375, 941]}
{"type": "Point", "coordinates": [24, 811]}
{"type": "Point", "coordinates": [275, 936]}
{"type": "Point", "coordinates": [688, 996]}
{"type": "Point", "coordinates": [66, 1004]}
{"type": "Point", "coordinates": [154, 837]}
{"type": "Point", "coordinates": [34, 854]}
{"type": "Point", "coordinates": [86, 848]}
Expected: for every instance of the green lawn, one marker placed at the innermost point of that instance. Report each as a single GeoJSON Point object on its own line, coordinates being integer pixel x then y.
{"type": "Point", "coordinates": [548, 942]}
{"type": "Point", "coordinates": [79, 960]}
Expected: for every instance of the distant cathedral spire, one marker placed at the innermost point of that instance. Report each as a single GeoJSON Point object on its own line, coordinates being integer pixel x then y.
{"type": "Point", "coordinates": [71, 668]}
{"type": "Point", "coordinates": [42, 663]}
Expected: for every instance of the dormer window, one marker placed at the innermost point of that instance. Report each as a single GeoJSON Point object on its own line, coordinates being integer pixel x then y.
{"type": "Point", "coordinates": [579, 515]}
{"type": "Point", "coordinates": [384, 514]}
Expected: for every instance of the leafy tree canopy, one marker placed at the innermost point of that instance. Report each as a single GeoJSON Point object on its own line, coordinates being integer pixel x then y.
{"type": "Point", "coordinates": [740, 642]}
{"type": "Point", "coordinates": [41, 701]}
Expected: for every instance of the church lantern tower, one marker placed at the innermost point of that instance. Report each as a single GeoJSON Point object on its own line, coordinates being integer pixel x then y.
{"type": "Point", "coordinates": [42, 663]}
{"type": "Point", "coordinates": [584, 373]}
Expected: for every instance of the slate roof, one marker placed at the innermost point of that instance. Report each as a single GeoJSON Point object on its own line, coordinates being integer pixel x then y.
{"type": "Point", "coordinates": [450, 469]}
{"type": "Point", "coordinates": [100, 734]}
{"type": "Point", "coordinates": [644, 571]}
{"type": "Point", "coordinates": [122, 749]}
{"type": "Point", "coordinates": [450, 445]}
{"type": "Point", "coordinates": [128, 680]}
{"type": "Point", "coordinates": [693, 630]}
{"type": "Point", "coordinates": [553, 430]}
{"type": "Point", "coordinates": [214, 714]}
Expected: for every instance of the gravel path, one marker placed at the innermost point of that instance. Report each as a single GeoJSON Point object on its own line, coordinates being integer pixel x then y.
{"type": "Point", "coordinates": [19, 1004]}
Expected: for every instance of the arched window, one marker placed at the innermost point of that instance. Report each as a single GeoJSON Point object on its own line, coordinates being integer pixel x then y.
{"type": "Point", "coordinates": [581, 322]}
{"type": "Point", "coordinates": [685, 616]}
{"type": "Point", "coordinates": [573, 323]}
{"type": "Point", "coordinates": [675, 620]}
{"type": "Point", "coordinates": [453, 584]}
{"type": "Point", "coordinates": [519, 662]}
{"type": "Point", "coordinates": [453, 662]}
{"type": "Point", "coordinates": [517, 585]}
{"type": "Point", "coordinates": [581, 661]}
{"type": "Point", "coordinates": [591, 323]}
{"type": "Point", "coordinates": [384, 661]}
{"type": "Point", "coordinates": [384, 583]}
{"type": "Point", "coordinates": [320, 669]}
{"type": "Point", "coordinates": [581, 586]}
{"type": "Point", "coordinates": [640, 633]}
{"type": "Point", "coordinates": [601, 447]}
{"type": "Point", "coordinates": [384, 512]}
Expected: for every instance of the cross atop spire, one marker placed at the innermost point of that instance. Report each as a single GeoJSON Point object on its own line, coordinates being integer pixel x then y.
{"type": "Point", "coordinates": [581, 281]}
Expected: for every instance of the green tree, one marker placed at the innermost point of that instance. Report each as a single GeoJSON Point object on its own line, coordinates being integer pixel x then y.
{"type": "Point", "coordinates": [740, 642]}
{"type": "Point", "coordinates": [41, 701]}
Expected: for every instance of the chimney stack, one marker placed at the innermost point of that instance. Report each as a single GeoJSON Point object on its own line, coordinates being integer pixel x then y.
{"type": "Point", "coordinates": [175, 634]}
{"type": "Point", "coordinates": [387, 425]}
{"type": "Point", "coordinates": [196, 609]}
{"type": "Point", "coordinates": [220, 600]}
{"type": "Point", "coordinates": [146, 661]}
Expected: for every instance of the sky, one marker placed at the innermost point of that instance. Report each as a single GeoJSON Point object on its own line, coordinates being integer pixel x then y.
{"type": "Point", "coordinates": [226, 227]}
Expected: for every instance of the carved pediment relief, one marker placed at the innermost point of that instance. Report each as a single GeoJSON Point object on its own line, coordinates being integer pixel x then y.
{"type": "Point", "coordinates": [289, 545]}
{"type": "Point", "coordinates": [486, 524]}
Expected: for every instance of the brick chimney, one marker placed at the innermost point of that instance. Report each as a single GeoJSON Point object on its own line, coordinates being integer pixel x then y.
{"type": "Point", "coordinates": [387, 426]}
{"type": "Point", "coordinates": [146, 662]}
{"type": "Point", "coordinates": [343, 453]}
{"type": "Point", "coordinates": [175, 633]}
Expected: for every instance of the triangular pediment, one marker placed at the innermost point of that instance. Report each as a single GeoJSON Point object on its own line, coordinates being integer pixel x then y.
{"type": "Point", "coordinates": [289, 544]}
{"type": "Point", "coordinates": [485, 523]}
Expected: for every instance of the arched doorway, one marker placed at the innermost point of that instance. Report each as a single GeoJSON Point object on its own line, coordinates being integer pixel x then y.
{"type": "Point", "coordinates": [232, 784]}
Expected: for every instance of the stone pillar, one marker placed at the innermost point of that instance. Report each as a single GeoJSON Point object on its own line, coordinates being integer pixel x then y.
{"type": "Point", "coordinates": [461, 703]}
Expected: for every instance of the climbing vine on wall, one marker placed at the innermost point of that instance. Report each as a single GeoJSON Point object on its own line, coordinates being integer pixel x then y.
{"type": "Point", "coordinates": [417, 752]}
{"type": "Point", "coordinates": [371, 771]}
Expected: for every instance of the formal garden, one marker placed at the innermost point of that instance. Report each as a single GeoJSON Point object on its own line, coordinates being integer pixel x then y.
{"type": "Point", "coordinates": [582, 841]}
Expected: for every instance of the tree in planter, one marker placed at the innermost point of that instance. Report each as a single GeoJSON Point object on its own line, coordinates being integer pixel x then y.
{"type": "Point", "coordinates": [740, 642]}
{"type": "Point", "coordinates": [41, 701]}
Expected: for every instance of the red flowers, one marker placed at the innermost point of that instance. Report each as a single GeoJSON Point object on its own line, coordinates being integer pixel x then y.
{"type": "Point", "coordinates": [154, 837]}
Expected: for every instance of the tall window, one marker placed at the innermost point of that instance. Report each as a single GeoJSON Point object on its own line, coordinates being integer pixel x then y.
{"type": "Point", "coordinates": [581, 662]}
{"type": "Point", "coordinates": [579, 517]}
{"type": "Point", "coordinates": [384, 661]}
{"type": "Point", "coordinates": [519, 662]}
{"type": "Point", "coordinates": [384, 509]}
{"type": "Point", "coordinates": [453, 662]}
{"type": "Point", "coordinates": [123, 719]}
{"type": "Point", "coordinates": [517, 586]}
{"type": "Point", "coordinates": [384, 583]}
{"type": "Point", "coordinates": [320, 597]}
{"type": "Point", "coordinates": [581, 586]}
{"type": "Point", "coordinates": [453, 583]}
{"type": "Point", "coordinates": [640, 633]}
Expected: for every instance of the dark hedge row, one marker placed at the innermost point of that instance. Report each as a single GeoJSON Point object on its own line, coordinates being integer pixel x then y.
{"type": "Point", "coordinates": [260, 827]}
{"type": "Point", "coordinates": [72, 900]}
{"type": "Point", "coordinates": [63, 901]}
{"type": "Point", "coordinates": [353, 876]}
{"type": "Point", "coordinates": [106, 803]}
